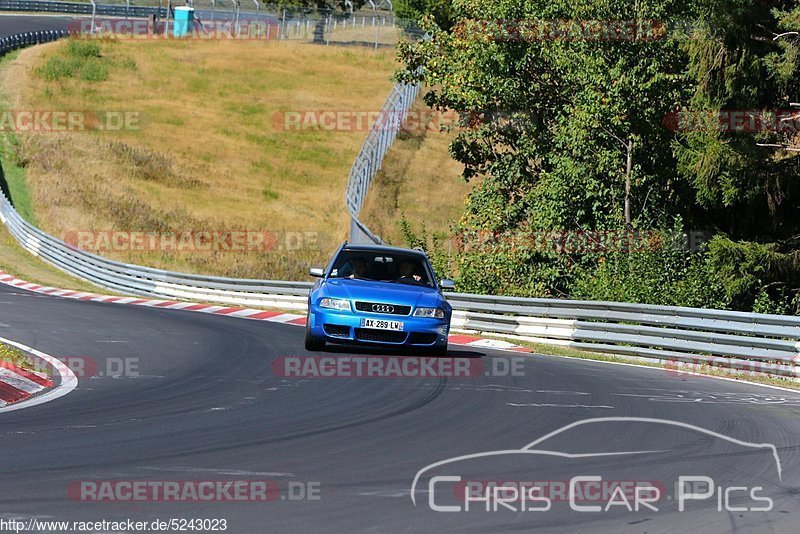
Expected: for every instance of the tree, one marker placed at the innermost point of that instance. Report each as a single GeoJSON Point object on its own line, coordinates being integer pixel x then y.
{"type": "Point", "coordinates": [747, 185]}
{"type": "Point", "coordinates": [594, 114]}
{"type": "Point", "coordinates": [414, 11]}
{"type": "Point", "coordinates": [571, 115]}
{"type": "Point", "coordinates": [746, 175]}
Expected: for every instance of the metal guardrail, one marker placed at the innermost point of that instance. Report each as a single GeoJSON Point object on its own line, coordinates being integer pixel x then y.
{"type": "Point", "coordinates": [266, 21]}
{"type": "Point", "coordinates": [686, 336]}
{"type": "Point", "coordinates": [370, 158]}
{"type": "Point", "coordinates": [81, 8]}
{"type": "Point", "coordinates": [146, 281]}
{"type": "Point", "coordinates": [7, 44]}
{"type": "Point", "coordinates": [768, 344]}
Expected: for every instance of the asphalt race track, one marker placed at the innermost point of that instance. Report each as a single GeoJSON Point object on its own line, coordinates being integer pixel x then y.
{"type": "Point", "coordinates": [199, 401]}
{"type": "Point", "coordinates": [11, 24]}
{"type": "Point", "coordinates": [206, 405]}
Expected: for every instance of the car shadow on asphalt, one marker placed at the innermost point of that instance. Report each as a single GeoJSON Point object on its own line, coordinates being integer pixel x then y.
{"type": "Point", "coordinates": [348, 350]}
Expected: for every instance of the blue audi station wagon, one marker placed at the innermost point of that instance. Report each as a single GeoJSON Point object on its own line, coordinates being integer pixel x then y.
{"type": "Point", "coordinates": [378, 295]}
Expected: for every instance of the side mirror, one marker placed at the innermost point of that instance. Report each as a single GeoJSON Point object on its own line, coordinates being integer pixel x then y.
{"type": "Point", "coordinates": [317, 272]}
{"type": "Point", "coordinates": [447, 285]}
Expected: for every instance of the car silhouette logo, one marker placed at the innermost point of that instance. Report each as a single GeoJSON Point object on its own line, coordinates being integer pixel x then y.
{"type": "Point", "coordinates": [532, 448]}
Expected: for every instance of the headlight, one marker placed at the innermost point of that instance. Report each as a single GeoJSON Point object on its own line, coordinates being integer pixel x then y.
{"type": "Point", "coordinates": [335, 304]}
{"type": "Point", "coordinates": [436, 313]}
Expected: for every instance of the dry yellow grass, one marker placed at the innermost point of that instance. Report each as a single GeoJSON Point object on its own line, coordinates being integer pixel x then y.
{"type": "Point", "coordinates": [208, 155]}
{"type": "Point", "coordinates": [383, 35]}
{"type": "Point", "coordinates": [418, 179]}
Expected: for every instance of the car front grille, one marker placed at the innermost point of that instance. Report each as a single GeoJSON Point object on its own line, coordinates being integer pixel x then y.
{"type": "Point", "coordinates": [379, 307]}
{"type": "Point", "coordinates": [381, 336]}
{"type": "Point", "coordinates": [422, 338]}
{"type": "Point", "coordinates": [335, 330]}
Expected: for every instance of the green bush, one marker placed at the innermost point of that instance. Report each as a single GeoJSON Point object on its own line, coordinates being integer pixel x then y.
{"type": "Point", "coordinates": [722, 274]}
{"type": "Point", "coordinates": [667, 277]}
{"type": "Point", "coordinates": [763, 276]}
{"type": "Point", "coordinates": [269, 194]}
{"type": "Point", "coordinates": [129, 64]}
{"type": "Point", "coordinates": [776, 300]}
{"type": "Point", "coordinates": [94, 71]}
{"type": "Point", "coordinates": [58, 68]}
{"type": "Point", "coordinates": [83, 49]}
{"type": "Point", "coordinates": [80, 59]}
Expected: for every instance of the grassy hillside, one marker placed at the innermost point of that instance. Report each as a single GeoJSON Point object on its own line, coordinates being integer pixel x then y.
{"type": "Point", "coordinates": [209, 152]}
{"type": "Point", "coordinates": [418, 180]}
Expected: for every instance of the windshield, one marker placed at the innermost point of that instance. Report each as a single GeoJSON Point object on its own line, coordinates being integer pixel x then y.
{"type": "Point", "coordinates": [400, 268]}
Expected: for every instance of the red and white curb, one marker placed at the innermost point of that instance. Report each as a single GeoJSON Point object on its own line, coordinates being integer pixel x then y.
{"type": "Point", "coordinates": [243, 313]}
{"type": "Point", "coordinates": [486, 343]}
{"type": "Point", "coordinates": [18, 386]}
{"type": "Point", "coordinates": [246, 313]}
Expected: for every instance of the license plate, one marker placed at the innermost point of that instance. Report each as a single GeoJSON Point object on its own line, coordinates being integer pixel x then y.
{"type": "Point", "coordinates": [381, 324]}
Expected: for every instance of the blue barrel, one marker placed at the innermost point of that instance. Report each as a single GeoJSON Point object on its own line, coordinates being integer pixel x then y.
{"type": "Point", "coordinates": [184, 21]}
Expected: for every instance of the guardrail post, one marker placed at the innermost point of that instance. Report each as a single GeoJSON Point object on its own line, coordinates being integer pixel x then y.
{"type": "Point", "coordinates": [166, 19]}
{"type": "Point", "coordinates": [236, 18]}
{"type": "Point", "coordinates": [94, 14]}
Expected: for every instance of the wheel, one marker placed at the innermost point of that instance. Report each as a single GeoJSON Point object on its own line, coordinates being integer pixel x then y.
{"type": "Point", "coordinates": [313, 343]}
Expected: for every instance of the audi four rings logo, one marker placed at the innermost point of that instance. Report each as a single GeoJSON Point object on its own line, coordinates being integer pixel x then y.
{"type": "Point", "coordinates": [382, 308]}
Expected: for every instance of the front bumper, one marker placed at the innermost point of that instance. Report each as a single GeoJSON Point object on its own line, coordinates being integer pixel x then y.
{"type": "Point", "coordinates": [336, 326]}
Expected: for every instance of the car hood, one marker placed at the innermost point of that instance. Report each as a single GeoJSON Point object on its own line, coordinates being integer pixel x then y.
{"type": "Point", "coordinates": [390, 293]}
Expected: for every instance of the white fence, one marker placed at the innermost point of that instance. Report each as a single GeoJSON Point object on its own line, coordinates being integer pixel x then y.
{"type": "Point", "coordinates": [370, 158]}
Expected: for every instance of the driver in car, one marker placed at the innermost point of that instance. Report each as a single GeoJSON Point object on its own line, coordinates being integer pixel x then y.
{"type": "Point", "coordinates": [406, 272]}
{"type": "Point", "coordinates": [359, 268]}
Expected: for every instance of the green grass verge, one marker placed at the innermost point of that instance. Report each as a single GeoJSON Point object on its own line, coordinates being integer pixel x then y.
{"type": "Point", "coordinates": [12, 173]}
{"type": "Point", "coordinates": [15, 356]}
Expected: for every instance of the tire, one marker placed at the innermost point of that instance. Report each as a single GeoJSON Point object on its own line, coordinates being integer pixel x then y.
{"type": "Point", "coordinates": [312, 342]}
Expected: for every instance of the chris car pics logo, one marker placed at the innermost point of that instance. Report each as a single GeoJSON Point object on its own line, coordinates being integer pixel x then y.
{"type": "Point", "coordinates": [449, 489]}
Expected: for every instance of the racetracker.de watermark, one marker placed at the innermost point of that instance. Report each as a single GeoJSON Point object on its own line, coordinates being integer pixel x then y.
{"type": "Point", "coordinates": [734, 120]}
{"type": "Point", "coordinates": [536, 30]}
{"type": "Point", "coordinates": [245, 29]}
{"type": "Point", "coordinates": [115, 491]}
{"type": "Point", "coordinates": [394, 367]}
{"type": "Point", "coordinates": [52, 121]}
{"type": "Point", "coordinates": [190, 241]}
{"type": "Point", "coordinates": [723, 366]}
{"type": "Point", "coordinates": [565, 241]}
{"type": "Point", "coordinates": [352, 120]}
{"type": "Point", "coordinates": [109, 367]}
{"type": "Point", "coordinates": [342, 120]}
{"type": "Point", "coordinates": [557, 490]}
